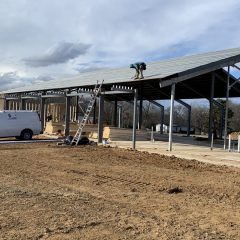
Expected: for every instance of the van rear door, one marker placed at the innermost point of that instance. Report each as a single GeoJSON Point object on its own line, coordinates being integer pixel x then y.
{"type": "Point", "coordinates": [9, 124]}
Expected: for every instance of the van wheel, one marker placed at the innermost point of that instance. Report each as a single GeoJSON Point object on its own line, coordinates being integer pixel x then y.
{"type": "Point", "coordinates": [26, 134]}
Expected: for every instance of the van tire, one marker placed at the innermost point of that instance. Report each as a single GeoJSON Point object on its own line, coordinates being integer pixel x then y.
{"type": "Point", "coordinates": [26, 134]}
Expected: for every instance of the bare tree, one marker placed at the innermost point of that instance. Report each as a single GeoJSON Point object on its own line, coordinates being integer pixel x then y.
{"type": "Point", "coordinates": [200, 118]}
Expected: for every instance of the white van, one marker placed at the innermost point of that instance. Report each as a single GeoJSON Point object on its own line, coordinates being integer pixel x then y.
{"type": "Point", "coordinates": [20, 124]}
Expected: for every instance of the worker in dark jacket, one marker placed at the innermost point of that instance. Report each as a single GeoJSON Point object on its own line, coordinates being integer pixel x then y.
{"type": "Point", "coordinates": [139, 67]}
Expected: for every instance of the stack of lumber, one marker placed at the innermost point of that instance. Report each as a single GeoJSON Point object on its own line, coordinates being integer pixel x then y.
{"type": "Point", "coordinates": [91, 130]}
{"type": "Point", "coordinates": [54, 127]}
{"type": "Point", "coordinates": [124, 134]}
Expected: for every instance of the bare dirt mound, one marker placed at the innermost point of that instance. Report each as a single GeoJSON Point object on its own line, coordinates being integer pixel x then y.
{"type": "Point", "coordinates": [89, 192]}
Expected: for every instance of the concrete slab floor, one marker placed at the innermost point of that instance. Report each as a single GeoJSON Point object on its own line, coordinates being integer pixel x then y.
{"type": "Point", "coordinates": [200, 152]}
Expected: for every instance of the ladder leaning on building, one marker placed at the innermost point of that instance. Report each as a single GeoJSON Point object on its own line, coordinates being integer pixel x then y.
{"type": "Point", "coordinates": [82, 124]}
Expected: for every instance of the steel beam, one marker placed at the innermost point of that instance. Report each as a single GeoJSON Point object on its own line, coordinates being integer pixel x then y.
{"type": "Point", "coordinates": [226, 110]}
{"type": "Point", "coordinates": [210, 130]}
{"type": "Point", "coordinates": [11, 98]}
{"type": "Point", "coordinates": [214, 102]}
{"type": "Point", "coordinates": [30, 97]}
{"type": "Point", "coordinates": [156, 104]}
{"type": "Point", "coordinates": [77, 107]}
{"type": "Point", "coordinates": [162, 113]}
{"type": "Point", "coordinates": [115, 113]}
{"type": "Point", "coordinates": [22, 103]}
{"type": "Point", "coordinates": [55, 95]}
{"type": "Point", "coordinates": [117, 92]}
{"type": "Point", "coordinates": [80, 93]}
{"type": "Point", "coordinates": [134, 119]}
{"type": "Point", "coordinates": [100, 118]}
{"type": "Point", "coordinates": [162, 120]}
{"type": "Point", "coordinates": [120, 109]}
{"type": "Point", "coordinates": [6, 104]}
{"type": "Point", "coordinates": [42, 112]}
{"type": "Point", "coordinates": [189, 108]}
{"type": "Point", "coordinates": [140, 117]}
{"type": "Point", "coordinates": [67, 115]}
{"type": "Point", "coordinates": [237, 67]}
{"type": "Point", "coordinates": [184, 104]}
{"type": "Point", "coordinates": [171, 117]}
{"type": "Point", "coordinates": [189, 111]}
{"type": "Point", "coordinates": [231, 84]}
{"type": "Point", "coordinates": [94, 111]}
{"type": "Point", "coordinates": [121, 89]}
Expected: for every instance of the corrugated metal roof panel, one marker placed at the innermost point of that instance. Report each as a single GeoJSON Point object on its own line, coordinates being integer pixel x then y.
{"type": "Point", "coordinates": [155, 70]}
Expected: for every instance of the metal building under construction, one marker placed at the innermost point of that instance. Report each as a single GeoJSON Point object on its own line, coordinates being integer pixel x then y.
{"type": "Point", "coordinates": [207, 76]}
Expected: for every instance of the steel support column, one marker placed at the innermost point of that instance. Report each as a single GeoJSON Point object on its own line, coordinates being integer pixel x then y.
{"type": "Point", "coordinates": [119, 116]}
{"type": "Point", "coordinates": [115, 113]}
{"type": "Point", "coordinates": [189, 121]}
{"type": "Point", "coordinates": [226, 110]}
{"type": "Point", "coordinates": [140, 117]}
{"type": "Point", "coordinates": [100, 118]}
{"type": "Point", "coordinates": [134, 119]}
{"type": "Point", "coordinates": [77, 108]}
{"type": "Point", "coordinates": [221, 122]}
{"type": "Point", "coordinates": [42, 112]}
{"type": "Point", "coordinates": [6, 104]}
{"type": "Point", "coordinates": [67, 115]}
{"type": "Point", "coordinates": [22, 104]}
{"type": "Point", "coordinates": [171, 117]}
{"type": "Point", "coordinates": [210, 130]}
{"type": "Point", "coordinates": [94, 111]}
{"type": "Point", "coordinates": [162, 120]}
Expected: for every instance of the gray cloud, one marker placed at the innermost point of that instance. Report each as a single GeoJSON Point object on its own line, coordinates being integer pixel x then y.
{"type": "Point", "coordinates": [60, 53]}
{"type": "Point", "coordinates": [41, 78]}
{"type": "Point", "coordinates": [164, 29]}
{"type": "Point", "coordinates": [11, 80]}
{"type": "Point", "coordinates": [91, 66]}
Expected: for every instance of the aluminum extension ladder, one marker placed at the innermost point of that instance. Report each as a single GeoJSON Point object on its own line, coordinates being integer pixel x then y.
{"type": "Point", "coordinates": [82, 124]}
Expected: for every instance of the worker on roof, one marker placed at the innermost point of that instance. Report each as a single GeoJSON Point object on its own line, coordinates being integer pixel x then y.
{"type": "Point", "coordinates": [139, 67]}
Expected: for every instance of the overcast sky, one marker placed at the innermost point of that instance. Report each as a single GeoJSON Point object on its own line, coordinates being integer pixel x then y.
{"type": "Point", "coordinates": [49, 39]}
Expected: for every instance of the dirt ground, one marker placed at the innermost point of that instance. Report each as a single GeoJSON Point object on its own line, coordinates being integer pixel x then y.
{"type": "Point", "coordinates": [90, 192]}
